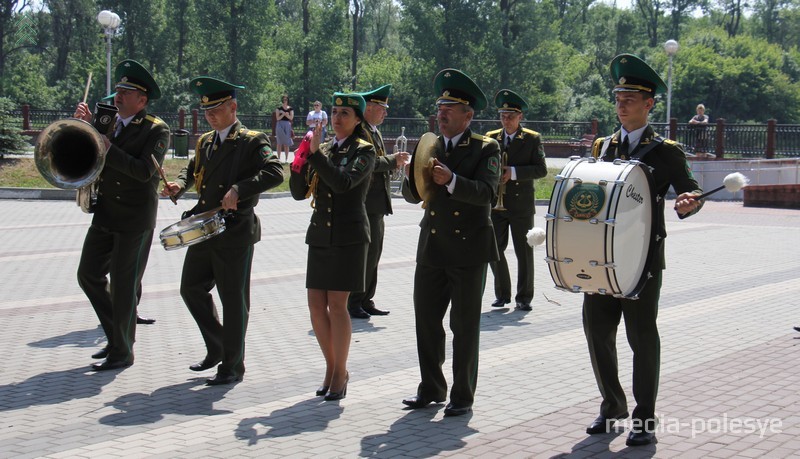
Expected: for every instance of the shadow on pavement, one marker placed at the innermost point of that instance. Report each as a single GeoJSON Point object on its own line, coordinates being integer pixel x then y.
{"type": "Point", "coordinates": [140, 408]}
{"type": "Point", "coordinates": [54, 388]}
{"type": "Point", "coordinates": [293, 420]}
{"type": "Point", "coordinates": [78, 338]}
{"type": "Point", "coordinates": [599, 446]}
{"type": "Point", "coordinates": [416, 435]}
{"type": "Point", "coordinates": [498, 318]}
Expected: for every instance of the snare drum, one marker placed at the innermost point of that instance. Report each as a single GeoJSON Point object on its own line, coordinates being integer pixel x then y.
{"type": "Point", "coordinates": [193, 230]}
{"type": "Point", "coordinates": [602, 227]}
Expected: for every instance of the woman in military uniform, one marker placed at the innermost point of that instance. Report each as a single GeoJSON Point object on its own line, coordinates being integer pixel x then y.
{"type": "Point", "coordinates": [336, 176]}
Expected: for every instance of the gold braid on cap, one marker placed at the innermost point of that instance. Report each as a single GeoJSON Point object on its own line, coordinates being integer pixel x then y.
{"type": "Point", "coordinates": [447, 96]}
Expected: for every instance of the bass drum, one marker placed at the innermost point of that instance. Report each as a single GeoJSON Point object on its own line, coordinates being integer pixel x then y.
{"type": "Point", "coordinates": [193, 230]}
{"type": "Point", "coordinates": [602, 227]}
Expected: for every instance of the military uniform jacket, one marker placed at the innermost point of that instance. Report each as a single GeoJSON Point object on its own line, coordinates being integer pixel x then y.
{"type": "Point", "coordinates": [127, 193]}
{"type": "Point", "coordinates": [379, 197]}
{"type": "Point", "coordinates": [339, 217]}
{"type": "Point", "coordinates": [245, 162]}
{"type": "Point", "coordinates": [669, 167]}
{"type": "Point", "coordinates": [526, 155]}
{"type": "Point", "coordinates": [456, 229]}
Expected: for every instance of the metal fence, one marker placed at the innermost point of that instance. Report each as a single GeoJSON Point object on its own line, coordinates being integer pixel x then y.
{"type": "Point", "coordinates": [737, 140]}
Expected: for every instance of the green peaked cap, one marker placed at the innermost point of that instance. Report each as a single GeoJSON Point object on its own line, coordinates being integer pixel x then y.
{"type": "Point", "coordinates": [631, 74]}
{"type": "Point", "coordinates": [507, 100]}
{"type": "Point", "coordinates": [213, 92]}
{"type": "Point", "coordinates": [352, 100]}
{"type": "Point", "coordinates": [455, 87]}
{"type": "Point", "coordinates": [380, 95]}
{"type": "Point", "coordinates": [132, 75]}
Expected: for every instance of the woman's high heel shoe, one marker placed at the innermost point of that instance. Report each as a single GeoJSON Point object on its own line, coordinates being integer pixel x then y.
{"type": "Point", "coordinates": [322, 390]}
{"type": "Point", "coordinates": [339, 395]}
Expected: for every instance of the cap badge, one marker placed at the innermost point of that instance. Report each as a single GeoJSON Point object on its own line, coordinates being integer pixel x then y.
{"type": "Point", "coordinates": [622, 80]}
{"type": "Point", "coordinates": [505, 93]}
{"type": "Point", "coordinates": [447, 75]}
{"type": "Point", "coordinates": [505, 105]}
{"type": "Point", "coordinates": [199, 83]}
{"type": "Point", "coordinates": [624, 60]}
{"type": "Point", "coordinates": [127, 64]}
{"type": "Point", "coordinates": [446, 94]}
{"type": "Point", "coordinates": [205, 99]}
{"type": "Point", "coordinates": [124, 79]}
{"type": "Point", "coordinates": [338, 101]}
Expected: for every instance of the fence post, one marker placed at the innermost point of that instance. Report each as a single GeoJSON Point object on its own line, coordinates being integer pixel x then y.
{"type": "Point", "coordinates": [431, 123]}
{"type": "Point", "coordinates": [771, 129]}
{"type": "Point", "coordinates": [194, 121]}
{"type": "Point", "coordinates": [595, 126]}
{"type": "Point", "coordinates": [673, 128]}
{"type": "Point", "coordinates": [26, 117]}
{"type": "Point", "coordinates": [274, 123]}
{"type": "Point", "coordinates": [719, 141]}
{"type": "Point", "coordinates": [181, 118]}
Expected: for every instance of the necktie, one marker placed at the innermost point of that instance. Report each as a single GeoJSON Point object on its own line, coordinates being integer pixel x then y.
{"type": "Point", "coordinates": [118, 128]}
{"type": "Point", "coordinates": [624, 148]}
{"type": "Point", "coordinates": [508, 140]}
{"type": "Point", "coordinates": [449, 146]}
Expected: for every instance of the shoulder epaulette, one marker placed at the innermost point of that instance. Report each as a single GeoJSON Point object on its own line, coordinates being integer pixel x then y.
{"type": "Point", "coordinates": [530, 131]}
{"type": "Point", "coordinates": [670, 142]}
{"type": "Point", "coordinates": [205, 136]}
{"type": "Point", "coordinates": [480, 137]}
{"type": "Point", "coordinates": [495, 132]}
{"type": "Point", "coordinates": [362, 141]}
{"type": "Point", "coordinates": [154, 119]}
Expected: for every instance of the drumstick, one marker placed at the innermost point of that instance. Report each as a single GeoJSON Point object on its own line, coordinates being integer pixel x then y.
{"type": "Point", "coordinates": [732, 182]}
{"type": "Point", "coordinates": [163, 178]}
{"type": "Point", "coordinates": [88, 83]}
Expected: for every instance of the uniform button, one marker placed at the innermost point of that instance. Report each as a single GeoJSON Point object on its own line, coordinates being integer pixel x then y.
{"type": "Point", "coordinates": [458, 231]}
{"type": "Point", "coordinates": [433, 213]}
{"type": "Point", "coordinates": [117, 197]}
{"type": "Point", "coordinates": [329, 195]}
{"type": "Point", "coordinates": [118, 183]}
{"type": "Point", "coordinates": [329, 209]}
{"type": "Point", "coordinates": [456, 213]}
{"type": "Point", "coordinates": [516, 183]}
{"type": "Point", "coordinates": [433, 230]}
{"type": "Point", "coordinates": [220, 186]}
{"type": "Point", "coordinates": [101, 179]}
{"type": "Point", "coordinates": [203, 201]}
{"type": "Point", "coordinates": [327, 223]}
{"type": "Point", "coordinates": [313, 224]}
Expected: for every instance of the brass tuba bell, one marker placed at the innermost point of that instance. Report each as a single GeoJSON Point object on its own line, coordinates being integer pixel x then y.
{"type": "Point", "coordinates": [70, 154]}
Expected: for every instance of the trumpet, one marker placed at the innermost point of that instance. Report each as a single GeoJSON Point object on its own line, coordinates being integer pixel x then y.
{"type": "Point", "coordinates": [401, 144]}
{"type": "Point", "coordinates": [501, 187]}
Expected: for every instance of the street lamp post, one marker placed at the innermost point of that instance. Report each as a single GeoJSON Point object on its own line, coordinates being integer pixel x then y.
{"type": "Point", "coordinates": [671, 47]}
{"type": "Point", "coordinates": [110, 22]}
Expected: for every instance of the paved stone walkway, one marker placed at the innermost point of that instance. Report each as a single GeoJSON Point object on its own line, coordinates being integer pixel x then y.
{"type": "Point", "coordinates": [729, 384]}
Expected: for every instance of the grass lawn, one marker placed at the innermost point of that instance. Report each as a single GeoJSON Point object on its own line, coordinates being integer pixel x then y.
{"type": "Point", "coordinates": [22, 173]}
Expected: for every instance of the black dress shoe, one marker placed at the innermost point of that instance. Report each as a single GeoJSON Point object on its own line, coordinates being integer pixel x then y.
{"type": "Point", "coordinates": [603, 424]}
{"type": "Point", "coordinates": [500, 303]}
{"type": "Point", "coordinates": [417, 401]}
{"type": "Point", "coordinates": [111, 365]}
{"type": "Point", "coordinates": [454, 409]}
{"type": "Point", "coordinates": [322, 390]}
{"type": "Point", "coordinates": [373, 311]}
{"type": "Point", "coordinates": [796, 328]}
{"type": "Point", "coordinates": [144, 320]}
{"type": "Point", "coordinates": [358, 313]}
{"type": "Point", "coordinates": [101, 354]}
{"type": "Point", "coordinates": [524, 306]}
{"type": "Point", "coordinates": [641, 438]}
{"type": "Point", "coordinates": [205, 364]}
{"type": "Point", "coordinates": [219, 380]}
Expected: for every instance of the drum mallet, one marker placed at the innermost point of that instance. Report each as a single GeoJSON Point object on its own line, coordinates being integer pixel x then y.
{"type": "Point", "coordinates": [536, 236]}
{"type": "Point", "coordinates": [732, 182]}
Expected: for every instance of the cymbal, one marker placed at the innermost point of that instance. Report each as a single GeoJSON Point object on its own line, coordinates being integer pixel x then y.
{"type": "Point", "coordinates": [423, 165]}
